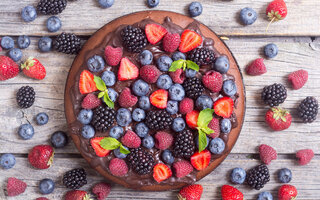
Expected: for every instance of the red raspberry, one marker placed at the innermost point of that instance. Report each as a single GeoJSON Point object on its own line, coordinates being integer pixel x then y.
{"type": "Point", "coordinates": [113, 55]}
{"type": "Point", "coordinates": [131, 139]}
{"type": "Point", "coordinates": [126, 99]}
{"type": "Point", "coordinates": [178, 76]}
{"type": "Point", "coordinates": [304, 156]}
{"type": "Point", "coordinates": [118, 167]}
{"type": "Point", "coordinates": [91, 101]}
{"type": "Point", "coordinates": [101, 190]}
{"type": "Point", "coordinates": [213, 81]}
{"type": "Point", "coordinates": [182, 168]}
{"type": "Point", "coordinates": [163, 140]}
{"type": "Point", "coordinates": [42, 198]}
{"type": "Point", "coordinates": [171, 42]}
{"type": "Point", "coordinates": [214, 124]}
{"type": "Point", "coordinates": [186, 106]}
{"type": "Point", "coordinates": [298, 78]}
{"type": "Point", "coordinates": [15, 187]}
{"type": "Point", "coordinates": [257, 67]}
{"type": "Point", "coordinates": [267, 154]}
{"type": "Point", "coordinates": [149, 73]}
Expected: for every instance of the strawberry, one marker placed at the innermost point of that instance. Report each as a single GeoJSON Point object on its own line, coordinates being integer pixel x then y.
{"type": "Point", "coordinates": [127, 99]}
{"type": "Point", "coordinates": [91, 101]}
{"type": "Point", "coordinates": [95, 143]}
{"type": "Point", "coordinates": [182, 168]}
{"type": "Point", "coordinates": [101, 190]}
{"type": "Point", "coordinates": [159, 98]}
{"type": "Point", "coordinates": [131, 139]}
{"type": "Point", "coordinates": [230, 193]}
{"type": "Point", "coordinates": [127, 70]}
{"type": "Point", "coordinates": [267, 154]}
{"type": "Point", "coordinates": [163, 140]}
{"type": "Point", "coordinates": [200, 160]}
{"type": "Point", "coordinates": [15, 187]}
{"type": "Point", "coordinates": [33, 69]}
{"type": "Point", "coordinates": [149, 73]}
{"type": "Point", "coordinates": [304, 156]}
{"type": "Point", "coordinates": [192, 118]}
{"type": "Point", "coordinates": [86, 82]}
{"type": "Point", "coordinates": [278, 119]}
{"type": "Point", "coordinates": [77, 195]}
{"type": "Point", "coordinates": [287, 192]}
{"type": "Point", "coordinates": [161, 172]}
{"type": "Point", "coordinates": [213, 81]}
{"type": "Point", "coordinates": [223, 107]}
{"type": "Point", "coordinates": [155, 33]}
{"type": "Point", "coordinates": [171, 42]}
{"type": "Point", "coordinates": [189, 41]}
{"type": "Point", "coordinates": [276, 10]}
{"type": "Point", "coordinates": [8, 68]}
{"type": "Point", "coordinates": [256, 67]}
{"type": "Point", "coordinates": [298, 79]}
{"type": "Point", "coordinates": [191, 192]}
{"type": "Point", "coordinates": [214, 124]}
{"type": "Point", "coordinates": [113, 55]}
{"type": "Point", "coordinates": [118, 167]}
{"type": "Point", "coordinates": [41, 156]}
{"type": "Point", "coordinates": [186, 105]}
{"type": "Point", "coordinates": [178, 76]}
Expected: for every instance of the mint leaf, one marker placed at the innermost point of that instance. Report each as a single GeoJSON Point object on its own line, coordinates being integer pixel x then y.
{"type": "Point", "coordinates": [101, 94]}
{"type": "Point", "coordinates": [178, 64]}
{"type": "Point", "coordinates": [207, 130]}
{"type": "Point", "coordinates": [123, 150]}
{"type": "Point", "coordinates": [107, 100]}
{"type": "Point", "coordinates": [109, 143]}
{"type": "Point", "coordinates": [100, 83]}
{"type": "Point", "coordinates": [202, 140]}
{"type": "Point", "coordinates": [205, 116]}
{"type": "Point", "coordinates": [192, 65]}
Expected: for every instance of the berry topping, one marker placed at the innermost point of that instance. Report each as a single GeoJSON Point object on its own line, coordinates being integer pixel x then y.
{"type": "Point", "coordinates": [145, 57]}
{"type": "Point", "coordinates": [163, 140]}
{"type": "Point", "coordinates": [298, 79]}
{"type": "Point", "coordinates": [141, 161]}
{"type": "Point", "coordinates": [304, 156]}
{"type": "Point", "coordinates": [123, 117]}
{"type": "Point", "coordinates": [189, 41]}
{"type": "Point", "coordinates": [182, 168]}
{"type": "Point", "coordinates": [101, 190]}
{"type": "Point", "coordinates": [96, 64]}
{"type": "Point", "coordinates": [138, 115]}
{"type": "Point", "coordinates": [225, 125]}
{"type": "Point", "coordinates": [86, 82]}
{"type": "Point", "coordinates": [140, 88]}
{"type": "Point", "coordinates": [178, 56]}
{"type": "Point", "coordinates": [88, 131]}
{"type": "Point", "coordinates": [256, 68]}
{"type": "Point", "coordinates": [148, 142]}
{"type": "Point", "coordinates": [229, 88]}
{"type": "Point", "coordinates": [186, 106]}
{"type": "Point", "coordinates": [230, 193]}
{"type": "Point", "coordinates": [308, 109]}
{"type": "Point", "coordinates": [192, 119]}
{"type": "Point", "coordinates": [113, 55]}
{"type": "Point", "coordinates": [161, 172]}
{"type": "Point", "coordinates": [164, 63]}
{"type": "Point", "coordinates": [33, 69]}
{"type": "Point", "coordinates": [223, 107]}
{"type": "Point", "coordinates": [155, 33]}
{"type": "Point", "coordinates": [204, 102]}
{"type": "Point", "coordinates": [126, 99]}
{"type": "Point", "coordinates": [131, 139]}
{"type": "Point", "coordinates": [172, 107]}
{"type": "Point", "coordinates": [193, 87]}
{"type": "Point", "coordinates": [178, 76]}
{"type": "Point", "coordinates": [15, 187]}
{"type": "Point", "coordinates": [103, 118]}
{"type": "Point", "coordinates": [238, 175]}
{"type": "Point", "coordinates": [176, 92]}
{"type": "Point", "coordinates": [141, 129]}
{"type": "Point", "coordinates": [167, 157]}
{"type": "Point", "coordinates": [201, 56]}
{"type": "Point", "coordinates": [95, 143]}
{"type": "Point", "coordinates": [127, 70]}
{"type": "Point", "coordinates": [41, 156]}
{"type": "Point", "coordinates": [215, 126]}
{"type": "Point", "coordinates": [221, 64]}
{"type": "Point", "coordinates": [200, 160]}
{"type": "Point", "coordinates": [91, 101]}
{"type": "Point", "coordinates": [158, 120]}
{"type": "Point", "coordinates": [178, 124]}
{"type": "Point", "coordinates": [184, 145]}
{"type": "Point", "coordinates": [159, 98]}
{"type": "Point", "coordinates": [133, 39]}
{"type": "Point", "coordinates": [149, 73]}
{"type": "Point", "coordinates": [164, 81]}
{"type": "Point", "coordinates": [258, 176]}
{"type": "Point", "coordinates": [144, 103]}
{"type": "Point", "coordinates": [8, 68]}
{"type": "Point", "coordinates": [267, 154]}
{"type": "Point", "coordinates": [278, 119]}
{"type": "Point", "coordinates": [273, 95]}
{"type": "Point", "coordinates": [75, 178]}
{"type": "Point", "coordinates": [171, 42]}
{"type": "Point", "coordinates": [217, 146]}
{"type": "Point", "coordinates": [287, 192]}
{"type": "Point", "coordinates": [118, 167]}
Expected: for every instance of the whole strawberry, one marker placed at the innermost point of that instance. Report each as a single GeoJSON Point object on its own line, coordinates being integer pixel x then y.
{"type": "Point", "coordinates": [287, 192]}
{"type": "Point", "coordinates": [277, 10]}
{"type": "Point", "coordinates": [230, 193]}
{"type": "Point", "coordinates": [41, 156]}
{"type": "Point", "coordinates": [33, 69]}
{"type": "Point", "coordinates": [77, 195]}
{"type": "Point", "coordinates": [191, 192]}
{"type": "Point", "coordinates": [8, 68]}
{"type": "Point", "coordinates": [278, 119]}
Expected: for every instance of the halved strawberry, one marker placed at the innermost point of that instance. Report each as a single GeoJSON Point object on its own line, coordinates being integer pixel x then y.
{"type": "Point", "coordinates": [161, 172]}
{"type": "Point", "coordinates": [95, 143]}
{"type": "Point", "coordinates": [192, 118]}
{"type": "Point", "coordinates": [86, 82]}
{"type": "Point", "coordinates": [155, 33]}
{"type": "Point", "coordinates": [159, 98]}
{"type": "Point", "coordinates": [223, 107]}
{"type": "Point", "coordinates": [189, 40]}
{"type": "Point", "coordinates": [200, 160]}
{"type": "Point", "coordinates": [127, 70]}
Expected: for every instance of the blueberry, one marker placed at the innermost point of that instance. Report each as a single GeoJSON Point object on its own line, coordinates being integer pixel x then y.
{"type": "Point", "coordinates": [217, 146]}
{"type": "Point", "coordinates": [265, 196]}
{"type": "Point", "coordinates": [7, 42]}
{"type": "Point", "coordinates": [42, 118]}
{"type": "Point", "coordinates": [178, 124]}
{"type": "Point", "coordinates": [164, 81]}
{"type": "Point", "coordinates": [26, 131]}
{"type": "Point", "coordinates": [197, 141]}
{"type": "Point", "coordinates": [105, 3]}
{"type": "Point", "coordinates": [204, 102]}
{"type": "Point", "coordinates": [152, 3]}
{"type": "Point", "coordinates": [195, 9]}
{"type": "Point", "coordinates": [118, 154]}
{"type": "Point", "coordinates": [15, 54]}
{"type": "Point", "coordinates": [140, 88]}
{"type": "Point", "coordinates": [167, 157]}
{"type": "Point", "coordinates": [23, 41]}
{"type": "Point", "coordinates": [238, 175]}
{"type": "Point", "coordinates": [148, 142]}
{"type": "Point", "coordinates": [229, 88]}
{"type": "Point", "coordinates": [96, 63]}
{"type": "Point", "coordinates": [46, 186]}
{"type": "Point", "coordinates": [178, 56]}
{"type": "Point", "coordinates": [284, 175]}
{"type": "Point", "coordinates": [29, 13]}
{"type": "Point", "coordinates": [116, 132]}
{"type": "Point", "coordinates": [172, 107]}
{"type": "Point", "coordinates": [87, 131]}
{"type": "Point", "coordinates": [109, 78]}
{"type": "Point", "coordinates": [176, 92]}
{"type": "Point", "coordinates": [190, 73]}
{"type": "Point", "coordinates": [164, 63]}
{"type": "Point", "coordinates": [248, 16]}
{"type": "Point", "coordinates": [113, 95]}
{"type": "Point", "coordinates": [221, 64]}
{"type": "Point", "coordinates": [123, 117]}
{"type": "Point", "coordinates": [7, 161]}
{"type": "Point", "coordinates": [144, 103]}
{"type": "Point", "coordinates": [138, 115]}
{"type": "Point", "coordinates": [45, 44]}
{"type": "Point", "coordinates": [59, 139]}
{"type": "Point", "coordinates": [271, 50]}
{"type": "Point", "coordinates": [145, 57]}
{"type": "Point", "coordinates": [85, 116]}
{"type": "Point", "coordinates": [53, 24]}
{"type": "Point", "coordinates": [225, 125]}
{"type": "Point", "coordinates": [141, 129]}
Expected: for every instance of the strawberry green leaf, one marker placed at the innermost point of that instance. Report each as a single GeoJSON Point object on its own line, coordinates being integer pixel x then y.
{"type": "Point", "coordinates": [205, 116]}
{"type": "Point", "coordinates": [100, 83]}
{"type": "Point", "coordinates": [107, 100]}
{"type": "Point", "coordinates": [202, 140]}
{"type": "Point", "coordinates": [123, 150]}
{"type": "Point", "coordinates": [178, 64]}
{"type": "Point", "coordinates": [109, 143]}
{"type": "Point", "coordinates": [192, 65]}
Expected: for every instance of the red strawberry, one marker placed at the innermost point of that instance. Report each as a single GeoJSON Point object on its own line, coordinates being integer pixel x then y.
{"type": "Point", "coordinates": [191, 192]}
{"type": "Point", "coordinates": [186, 105]}
{"type": "Point", "coordinates": [126, 99]}
{"type": "Point", "coordinates": [189, 41]}
{"type": "Point", "coordinates": [214, 124]}
{"type": "Point", "coordinates": [8, 68]}
{"type": "Point", "coordinates": [118, 167]}
{"type": "Point", "coordinates": [131, 139]}
{"type": "Point", "coordinates": [178, 76]}
{"type": "Point", "coordinates": [101, 190]}
{"type": "Point", "coordinates": [86, 82]}
{"type": "Point", "coordinates": [33, 69]}
{"type": "Point", "coordinates": [91, 101]}
{"type": "Point", "coordinates": [171, 42]}
{"type": "Point", "coordinates": [163, 140]}
{"type": "Point", "coordinates": [276, 10]}
{"type": "Point", "coordinates": [267, 154]}
{"type": "Point", "coordinates": [42, 198]}
{"type": "Point", "coordinates": [287, 192]}
{"type": "Point", "coordinates": [304, 156]}
{"type": "Point", "coordinates": [213, 81]}
{"type": "Point", "coordinates": [230, 193]}
{"type": "Point", "coordinates": [113, 55]}
{"type": "Point", "coordinates": [15, 187]}
{"type": "Point", "coordinates": [95, 143]}
{"type": "Point", "coordinates": [200, 160]}
{"type": "Point", "coordinates": [77, 195]}
{"type": "Point", "coordinates": [161, 172]}
{"type": "Point", "coordinates": [257, 67]}
{"type": "Point", "coordinates": [41, 156]}
{"type": "Point", "coordinates": [149, 73]}
{"type": "Point", "coordinates": [298, 79]}
{"type": "Point", "coordinates": [223, 107]}
{"type": "Point", "coordinates": [155, 33]}
{"type": "Point", "coordinates": [192, 118]}
{"type": "Point", "coordinates": [127, 70]}
{"type": "Point", "coordinates": [182, 168]}
{"type": "Point", "coordinates": [278, 119]}
{"type": "Point", "coordinates": [159, 98]}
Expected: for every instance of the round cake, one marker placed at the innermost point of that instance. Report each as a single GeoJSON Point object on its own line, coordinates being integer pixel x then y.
{"type": "Point", "coordinates": [154, 101]}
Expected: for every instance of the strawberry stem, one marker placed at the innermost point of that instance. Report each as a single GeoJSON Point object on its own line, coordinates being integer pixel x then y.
{"type": "Point", "coordinates": [272, 20]}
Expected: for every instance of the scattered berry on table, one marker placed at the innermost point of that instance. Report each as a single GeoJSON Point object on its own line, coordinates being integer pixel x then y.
{"type": "Point", "coordinates": [223, 107]}
{"type": "Point", "coordinates": [15, 187]}
{"type": "Point", "coordinates": [86, 82]}
{"type": "Point", "coordinates": [193, 87]}
{"type": "Point", "coordinates": [284, 175]}
{"type": "Point", "coordinates": [274, 95]}
{"type": "Point", "coordinates": [131, 139]}
{"type": "Point", "coordinates": [90, 101]}
{"type": "Point", "coordinates": [167, 157]}
{"type": "Point", "coordinates": [191, 192]}
{"type": "Point", "coordinates": [23, 41]}
{"type": "Point", "coordinates": [141, 129]}
{"type": "Point", "coordinates": [200, 160]}
{"type": "Point", "coordinates": [182, 168]}
{"type": "Point", "coordinates": [238, 175]}
{"type": "Point", "coordinates": [42, 198]}
{"type": "Point", "coordinates": [85, 116]}
{"type": "Point", "coordinates": [159, 98]}
{"type": "Point", "coordinates": [28, 14]}
{"type": "Point", "coordinates": [46, 186]}
{"type": "Point", "coordinates": [248, 16]}
{"type": "Point", "coordinates": [133, 39]}
{"type": "Point", "coordinates": [161, 172]}
{"type": "Point", "coordinates": [267, 154]}
{"type": "Point", "coordinates": [258, 176]}
{"type": "Point", "coordinates": [192, 119]}
{"type": "Point", "coordinates": [304, 156]}
{"type": "Point", "coordinates": [163, 140]}
{"type": "Point", "coordinates": [42, 118]}
{"type": "Point", "coordinates": [106, 3]}
{"type": "Point", "coordinates": [101, 190]}
{"type": "Point", "coordinates": [278, 119]}
{"type": "Point", "coordinates": [77, 194]}
{"type": "Point", "coordinates": [87, 131]}
{"type": "Point", "coordinates": [298, 78]}
{"type": "Point", "coordinates": [256, 67]}
{"type": "Point", "coordinates": [214, 124]}
{"type": "Point", "coordinates": [204, 102]}
{"type": "Point", "coordinates": [103, 118]}
{"type": "Point", "coordinates": [67, 43]}
{"type": "Point", "coordinates": [276, 10]}
{"type": "Point", "coordinates": [51, 7]}
{"type": "Point", "coordinates": [26, 131]}
{"type": "Point", "coordinates": [225, 125]}
{"type": "Point", "coordinates": [201, 56]}
{"type": "Point", "coordinates": [153, 3]}
{"type": "Point", "coordinates": [171, 42]}
{"type": "Point", "coordinates": [271, 50]}
{"type": "Point", "coordinates": [118, 154]}
{"type": "Point", "coordinates": [178, 56]}
{"type": "Point", "coordinates": [228, 192]}
{"type": "Point", "coordinates": [155, 32]}
{"type": "Point", "coordinates": [95, 143]}
{"type": "Point", "coordinates": [140, 88]}
{"type": "Point", "coordinates": [141, 161]}
{"type": "Point", "coordinates": [145, 57]}
{"type": "Point", "coordinates": [127, 99]}
{"type": "Point", "coordinates": [184, 146]}
{"type": "Point", "coordinates": [138, 114]}
{"type": "Point", "coordinates": [41, 156]}
{"type": "Point", "coordinates": [7, 42]}
{"type": "Point", "coordinates": [148, 142]}
{"type": "Point", "coordinates": [195, 9]}
{"type": "Point", "coordinates": [186, 105]}
{"type": "Point", "coordinates": [221, 64]}
{"type": "Point", "coordinates": [164, 81]}
{"type": "Point", "coordinates": [164, 62]}
{"type": "Point", "coordinates": [53, 24]}
{"type": "Point", "coordinates": [149, 73]}
{"type": "Point", "coordinates": [123, 117]}
{"type": "Point", "coordinates": [178, 76]}
{"type": "Point", "coordinates": [197, 141]}
{"type": "Point", "coordinates": [287, 192]}
{"type": "Point", "coordinates": [59, 139]}
{"type": "Point", "coordinates": [217, 146]}
{"type": "Point", "coordinates": [172, 107]}
{"type": "Point", "coordinates": [229, 88]}
{"type": "Point", "coordinates": [113, 55]}
{"type": "Point", "coordinates": [75, 178]}
{"type": "Point", "coordinates": [265, 196]}
{"type": "Point", "coordinates": [116, 132]}
{"type": "Point", "coordinates": [308, 109]}
{"type": "Point", "coordinates": [15, 54]}
{"type": "Point", "coordinates": [176, 92]}
{"type": "Point", "coordinates": [33, 68]}
{"type": "Point", "coordinates": [96, 63]}
{"type": "Point", "coordinates": [158, 120]}
{"type": "Point", "coordinates": [7, 161]}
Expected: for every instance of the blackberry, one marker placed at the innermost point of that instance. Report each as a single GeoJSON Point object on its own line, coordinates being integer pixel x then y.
{"type": "Point", "coordinates": [158, 120]}
{"type": "Point", "coordinates": [103, 118]}
{"type": "Point", "coordinates": [25, 97]}
{"type": "Point", "coordinates": [67, 43]}
{"type": "Point", "coordinates": [134, 39]}
{"type": "Point", "coordinates": [51, 7]}
{"type": "Point", "coordinates": [308, 109]}
{"type": "Point", "coordinates": [273, 95]}
{"type": "Point", "coordinates": [193, 87]}
{"type": "Point", "coordinates": [201, 56]}
{"type": "Point", "coordinates": [184, 144]}
{"type": "Point", "coordinates": [258, 176]}
{"type": "Point", "coordinates": [140, 161]}
{"type": "Point", "coordinates": [75, 179]}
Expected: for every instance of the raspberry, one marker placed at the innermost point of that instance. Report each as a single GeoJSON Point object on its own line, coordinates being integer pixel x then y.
{"type": "Point", "coordinates": [126, 99]}
{"type": "Point", "coordinates": [149, 73]}
{"type": "Point", "coordinates": [118, 167]}
{"type": "Point", "coordinates": [91, 101]}
{"type": "Point", "coordinates": [113, 55]}
{"type": "Point", "coordinates": [298, 78]}
{"type": "Point", "coordinates": [182, 168]}
{"type": "Point", "coordinates": [101, 190]}
{"type": "Point", "coordinates": [304, 156]}
{"type": "Point", "coordinates": [213, 81]}
{"type": "Point", "coordinates": [214, 124]}
{"type": "Point", "coordinates": [267, 154]}
{"type": "Point", "coordinates": [186, 106]}
{"type": "Point", "coordinates": [171, 42]}
{"type": "Point", "coordinates": [178, 76]}
{"type": "Point", "coordinates": [131, 139]}
{"type": "Point", "coordinates": [15, 187]}
{"type": "Point", "coordinates": [163, 140]}
{"type": "Point", "coordinates": [257, 67]}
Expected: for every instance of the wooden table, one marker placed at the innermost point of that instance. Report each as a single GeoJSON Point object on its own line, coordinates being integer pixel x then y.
{"type": "Point", "coordinates": [299, 43]}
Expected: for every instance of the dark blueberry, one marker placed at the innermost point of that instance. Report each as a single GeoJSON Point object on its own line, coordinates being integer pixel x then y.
{"type": "Point", "coordinates": [140, 88]}
{"type": "Point", "coordinates": [238, 175]}
{"type": "Point", "coordinates": [284, 175]}
{"type": "Point", "coordinates": [141, 129]}
{"type": "Point", "coordinates": [225, 125]}
{"type": "Point", "coordinates": [265, 196]}
{"type": "Point", "coordinates": [138, 115]}
{"type": "Point", "coordinates": [85, 116]}
{"type": "Point", "coordinates": [96, 63]}
{"type": "Point", "coordinates": [248, 16]}
{"type": "Point", "coordinates": [29, 13]}
{"type": "Point", "coordinates": [26, 131]}
{"type": "Point", "coordinates": [195, 9]}
{"type": "Point", "coordinates": [105, 3]}
{"type": "Point", "coordinates": [164, 81]}
{"type": "Point", "coordinates": [167, 157]}
{"type": "Point", "coordinates": [217, 146]}
{"type": "Point", "coordinates": [123, 117]}
{"type": "Point", "coordinates": [42, 118]}
{"type": "Point", "coordinates": [172, 107]}
{"type": "Point", "coordinates": [45, 44]}
{"type": "Point", "coordinates": [190, 73]}
{"type": "Point", "coordinates": [7, 161]}
{"type": "Point", "coordinates": [229, 88]}
{"type": "Point", "coordinates": [204, 102]}
{"type": "Point", "coordinates": [23, 41]}
{"type": "Point", "coordinates": [113, 95]}
{"type": "Point", "coordinates": [178, 56]}
{"type": "Point", "coordinates": [15, 54]}
{"type": "Point", "coordinates": [178, 124]}
{"type": "Point", "coordinates": [109, 78]}
{"type": "Point", "coordinates": [271, 50]}
{"type": "Point", "coordinates": [118, 154]}
{"type": "Point", "coordinates": [53, 24]}
{"type": "Point", "coordinates": [148, 142]}
{"type": "Point", "coordinates": [164, 63]}
{"type": "Point", "coordinates": [221, 64]}
{"type": "Point", "coordinates": [197, 141]}
{"type": "Point", "coordinates": [176, 92]}
{"type": "Point", "coordinates": [7, 42]}
{"type": "Point", "coordinates": [152, 3]}
{"type": "Point", "coordinates": [87, 131]}
{"type": "Point", "coordinates": [145, 57]}
{"type": "Point", "coordinates": [59, 139]}
{"type": "Point", "coordinates": [116, 132]}
{"type": "Point", "coordinates": [46, 186]}
{"type": "Point", "coordinates": [144, 103]}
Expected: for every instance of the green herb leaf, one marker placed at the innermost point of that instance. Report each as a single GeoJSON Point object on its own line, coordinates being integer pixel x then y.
{"type": "Point", "coordinates": [178, 64]}
{"type": "Point", "coordinates": [107, 100]}
{"type": "Point", "coordinates": [205, 116]}
{"type": "Point", "coordinates": [101, 94]}
{"type": "Point", "coordinates": [192, 65]}
{"type": "Point", "coordinates": [109, 143]}
{"type": "Point", "coordinates": [123, 150]}
{"type": "Point", "coordinates": [207, 130]}
{"type": "Point", "coordinates": [202, 140]}
{"type": "Point", "coordinates": [100, 83]}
